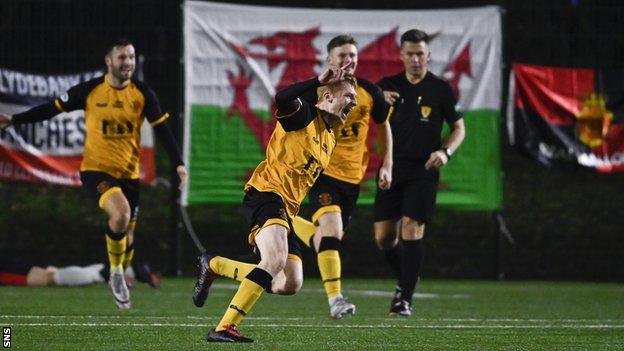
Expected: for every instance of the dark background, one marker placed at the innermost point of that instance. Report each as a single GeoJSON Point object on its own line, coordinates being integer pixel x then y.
{"type": "Point", "coordinates": [566, 224]}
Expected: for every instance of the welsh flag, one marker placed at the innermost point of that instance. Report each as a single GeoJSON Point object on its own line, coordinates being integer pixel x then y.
{"type": "Point", "coordinates": [236, 57]}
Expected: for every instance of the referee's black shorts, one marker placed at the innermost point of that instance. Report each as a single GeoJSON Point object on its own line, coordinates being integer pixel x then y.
{"type": "Point", "coordinates": [412, 194]}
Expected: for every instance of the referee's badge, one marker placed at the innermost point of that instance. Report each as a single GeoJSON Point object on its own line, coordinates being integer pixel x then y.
{"type": "Point", "coordinates": [425, 111]}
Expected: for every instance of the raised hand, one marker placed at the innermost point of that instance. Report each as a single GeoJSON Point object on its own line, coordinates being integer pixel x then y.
{"type": "Point", "coordinates": [334, 74]}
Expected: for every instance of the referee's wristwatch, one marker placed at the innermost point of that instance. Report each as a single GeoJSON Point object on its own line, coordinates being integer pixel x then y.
{"type": "Point", "coordinates": [448, 152]}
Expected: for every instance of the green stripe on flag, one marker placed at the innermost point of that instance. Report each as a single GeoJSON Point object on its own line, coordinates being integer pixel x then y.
{"type": "Point", "coordinates": [224, 152]}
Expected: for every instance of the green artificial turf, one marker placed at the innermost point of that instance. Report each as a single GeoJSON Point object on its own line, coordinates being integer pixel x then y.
{"type": "Point", "coordinates": [448, 315]}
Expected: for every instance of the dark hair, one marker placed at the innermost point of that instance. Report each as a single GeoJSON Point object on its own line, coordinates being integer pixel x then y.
{"type": "Point", "coordinates": [340, 41]}
{"type": "Point", "coordinates": [117, 42]}
{"type": "Point", "coordinates": [414, 36]}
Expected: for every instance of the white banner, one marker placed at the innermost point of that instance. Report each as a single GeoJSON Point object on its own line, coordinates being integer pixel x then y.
{"type": "Point", "coordinates": [268, 43]}
{"type": "Point", "coordinates": [50, 151]}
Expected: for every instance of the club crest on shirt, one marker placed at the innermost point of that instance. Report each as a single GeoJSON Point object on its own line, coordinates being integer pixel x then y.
{"type": "Point", "coordinates": [363, 110]}
{"type": "Point", "coordinates": [325, 199]}
{"type": "Point", "coordinates": [135, 106]}
{"type": "Point", "coordinates": [425, 111]}
{"type": "Point", "coordinates": [103, 186]}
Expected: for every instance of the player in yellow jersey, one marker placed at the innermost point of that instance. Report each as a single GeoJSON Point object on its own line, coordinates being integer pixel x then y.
{"type": "Point", "coordinates": [115, 106]}
{"type": "Point", "coordinates": [334, 195]}
{"type": "Point", "coordinates": [298, 151]}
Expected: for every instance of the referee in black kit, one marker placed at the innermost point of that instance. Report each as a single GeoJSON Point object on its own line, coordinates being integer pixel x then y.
{"type": "Point", "coordinates": [421, 103]}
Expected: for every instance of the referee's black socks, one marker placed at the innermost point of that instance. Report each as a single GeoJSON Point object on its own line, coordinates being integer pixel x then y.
{"type": "Point", "coordinates": [411, 263]}
{"type": "Point", "coordinates": [393, 257]}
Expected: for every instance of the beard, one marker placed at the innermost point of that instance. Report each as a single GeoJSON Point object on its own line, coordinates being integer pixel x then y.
{"type": "Point", "coordinates": [122, 73]}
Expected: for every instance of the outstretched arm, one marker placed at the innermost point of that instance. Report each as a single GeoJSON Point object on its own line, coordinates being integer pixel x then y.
{"type": "Point", "coordinates": [73, 99]}
{"type": "Point", "coordinates": [35, 114]}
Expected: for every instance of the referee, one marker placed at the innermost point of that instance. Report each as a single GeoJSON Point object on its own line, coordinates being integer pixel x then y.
{"type": "Point", "coordinates": [421, 103]}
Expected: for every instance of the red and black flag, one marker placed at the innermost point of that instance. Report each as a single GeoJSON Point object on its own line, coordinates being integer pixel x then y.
{"type": "Point", "coordinates": [570, 117]}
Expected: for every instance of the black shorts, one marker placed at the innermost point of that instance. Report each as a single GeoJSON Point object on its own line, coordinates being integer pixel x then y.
{"type": "Point", "coordinates": [333, 195]}
{"type": "Point", "coordinates": [412, 194]}
{"type": "Point", "coordinates": [265, 208]}
{"type": "Point", "coordinates": [97, 184]}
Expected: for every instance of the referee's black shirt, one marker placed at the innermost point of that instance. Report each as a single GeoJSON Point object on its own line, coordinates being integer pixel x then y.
{"type": "Point", "coordinates": [418, 116]}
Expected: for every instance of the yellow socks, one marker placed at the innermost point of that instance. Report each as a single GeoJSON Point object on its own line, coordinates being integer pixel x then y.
{"type": "Point", "coordinates": [246, 296]}
{"type": "Point", "coordinates": [129, 255]}
{"type": "Point", "coordinates": [304, 229]}
{"type": "Point", "coordinates": [329, 265]}
{"type": "Point", "coordinates": [229, 268]}
{"type": "Point", "coordinates": [116, 248]}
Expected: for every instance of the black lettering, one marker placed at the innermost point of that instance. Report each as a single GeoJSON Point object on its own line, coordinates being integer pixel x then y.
{"type": "Point", "coordinates": [37, 138]}
{"type": "Point", "coordinates": [67, 133]}
{"type": "Point", "coordinates": [54, 134]}
{"type": "Point", "coordinates": [105, 125]}
{"type": "Point", "coordinates": [81, 130]}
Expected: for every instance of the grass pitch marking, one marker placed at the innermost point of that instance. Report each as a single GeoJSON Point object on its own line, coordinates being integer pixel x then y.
{"type": "Point", "coordinates": [328, 326]}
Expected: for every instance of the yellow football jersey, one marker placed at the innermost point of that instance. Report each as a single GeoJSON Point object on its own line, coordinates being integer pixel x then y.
{"type": "Point", "coordinates": [113, 119]}
{"type": "Point", "coordinates": [350, 158]}
{"type": "Point", "coordinates": [294, 160]}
